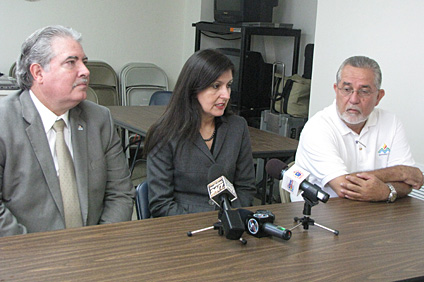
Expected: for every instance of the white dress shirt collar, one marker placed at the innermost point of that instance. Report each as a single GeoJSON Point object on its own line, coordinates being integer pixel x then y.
{"type": "Point", "coordinates": [47, 116]}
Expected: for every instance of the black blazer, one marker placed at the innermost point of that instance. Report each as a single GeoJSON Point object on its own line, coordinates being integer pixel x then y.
{"type": "Point", "coordinates": [178, 181]}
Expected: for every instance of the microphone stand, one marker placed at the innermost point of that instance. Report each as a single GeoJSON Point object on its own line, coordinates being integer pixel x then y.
{"type": "Point", "coordinates": [229, 224]}
{"type": "Point", "coordinates": [306, 220]}
{"type": "Point", "coordinates": [216, 226]}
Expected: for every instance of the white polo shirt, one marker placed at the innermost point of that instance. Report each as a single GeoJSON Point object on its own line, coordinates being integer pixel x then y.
{"type": "Point", "coordinates": [328, 148]}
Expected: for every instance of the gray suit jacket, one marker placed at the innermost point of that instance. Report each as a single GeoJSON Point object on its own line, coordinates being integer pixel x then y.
{"type": "Point", "coordinates": [178, 181]}
{"type": "Point", "coordinates": [30, 197]}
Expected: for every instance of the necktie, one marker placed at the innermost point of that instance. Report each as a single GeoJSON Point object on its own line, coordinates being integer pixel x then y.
{"type": "Point", "coordinates": [67, 180]}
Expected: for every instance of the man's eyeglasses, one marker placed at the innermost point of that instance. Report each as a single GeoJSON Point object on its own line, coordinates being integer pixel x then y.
{"type": "Point", "coordinates": [363, 92]}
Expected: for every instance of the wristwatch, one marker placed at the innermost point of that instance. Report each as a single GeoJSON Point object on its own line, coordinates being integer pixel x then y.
{"type": "Point", "coordinates": [393, 194]}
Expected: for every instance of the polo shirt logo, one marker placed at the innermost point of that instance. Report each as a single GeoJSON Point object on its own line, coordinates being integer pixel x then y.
{"type": "Point", "coordinates": [384, 150]}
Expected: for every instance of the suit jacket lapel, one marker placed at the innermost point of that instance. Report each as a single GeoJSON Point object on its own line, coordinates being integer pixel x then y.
{"type": "Point", "coordinates": [219, 141]}
{"type": "Point", "coordinates": [39, 143]}
{"type": "Point", "coordinates": [80, 148]}
{"type": "Point", "coordinates": [201, 145]}
{"type": "Point", "coordinates": [220, 136]}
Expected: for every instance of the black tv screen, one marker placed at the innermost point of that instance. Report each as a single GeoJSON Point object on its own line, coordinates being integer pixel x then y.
{"type": "Point", "coordinates": [234, 11]}
{"type": "Point", "coordinates": [228, 5]}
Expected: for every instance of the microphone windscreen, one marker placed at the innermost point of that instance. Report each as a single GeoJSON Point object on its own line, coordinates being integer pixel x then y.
{"type": "Point", "coordinates": [244, 214]}
{"type": "Point", "coordinates": [214, 172]}
{"type": "Point", "coordinates": [274, 167]}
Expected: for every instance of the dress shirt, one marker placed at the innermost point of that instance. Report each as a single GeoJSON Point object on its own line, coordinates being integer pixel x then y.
{"type": "Point", "coordinates": [48, 118]}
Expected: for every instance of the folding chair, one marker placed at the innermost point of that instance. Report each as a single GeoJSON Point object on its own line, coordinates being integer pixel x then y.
{"type": "Point", "coordinates": [92, 95]}
{"type": "Point", "coordinates": [12, 70]}
{"type": "Point", "coordinates": [142, 201]}
{"type": "Point", "coordinates": [139, 81]}
{"type": "Point", "coordinates": [160, 98]}
{"type": "Point", "coordinates": [104, 81]}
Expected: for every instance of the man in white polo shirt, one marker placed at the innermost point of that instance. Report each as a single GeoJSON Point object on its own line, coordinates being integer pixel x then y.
{"type": "Point", "coordinates": [354, 150]}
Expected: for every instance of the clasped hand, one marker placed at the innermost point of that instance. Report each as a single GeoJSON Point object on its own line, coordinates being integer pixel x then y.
{"type": "Point", "coordinates": [364, 187]}
{"type": "Point", "coordinates": [412, 176]}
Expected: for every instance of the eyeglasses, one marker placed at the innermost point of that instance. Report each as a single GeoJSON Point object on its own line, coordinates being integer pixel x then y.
{"type": "Point", "coordinates": [363, 92]}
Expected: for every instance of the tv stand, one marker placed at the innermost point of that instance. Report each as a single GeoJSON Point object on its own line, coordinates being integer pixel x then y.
{"type": "Point", "coordinates": [246, 32]}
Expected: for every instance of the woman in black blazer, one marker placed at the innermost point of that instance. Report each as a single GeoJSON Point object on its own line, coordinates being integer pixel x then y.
{"type": "Point", "coordinates": [196, 131]}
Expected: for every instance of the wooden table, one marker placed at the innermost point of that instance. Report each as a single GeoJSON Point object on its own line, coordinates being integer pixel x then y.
{"type": "Point", "coordinates": [265, 145]}
{"type": "Point", "coordinates": [377, 241]}
{"type": "Point", "coordinates": [138, 119]}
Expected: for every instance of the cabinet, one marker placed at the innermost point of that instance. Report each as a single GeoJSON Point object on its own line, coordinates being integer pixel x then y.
{"type": "Point", "coordinates": [246, 32]}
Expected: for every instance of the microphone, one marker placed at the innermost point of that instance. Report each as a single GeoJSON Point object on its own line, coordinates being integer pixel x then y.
{"type": "Point", "coordinates": [260, 224]}
{"type": "Point", "coordinates": [221, 191]}
{"type": "Point", "coordinates": [220, 185]}
{"type": "Point", "coordinates": [294, 180]}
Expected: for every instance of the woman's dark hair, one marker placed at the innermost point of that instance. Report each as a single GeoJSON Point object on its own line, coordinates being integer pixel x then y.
{"type": "Point", "coordinates": [182, 117]}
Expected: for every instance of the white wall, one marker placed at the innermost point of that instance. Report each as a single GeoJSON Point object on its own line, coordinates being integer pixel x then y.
{"type": "Point", "coordinates": [389, 31]}
{"type": "Point", "coordinates": [115, 31]}
{"type": "Point", "coordinates": [155, 31]}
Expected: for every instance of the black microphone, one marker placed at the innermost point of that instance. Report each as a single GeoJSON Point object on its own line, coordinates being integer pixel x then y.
{"type": "Point", "coordinates": [260, 224]}
{"type": "Point", "coordinates": [219, 186]}
{"type": "Point", "coordinates": [221, 191]}
{"type": "Point", "coordinates": [278, 170]}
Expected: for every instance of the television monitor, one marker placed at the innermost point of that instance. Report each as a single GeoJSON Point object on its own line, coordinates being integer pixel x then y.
{"type": "Point", "coordinates": [235, 11]}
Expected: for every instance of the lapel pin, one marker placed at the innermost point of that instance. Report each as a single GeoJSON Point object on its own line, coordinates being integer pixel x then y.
{"type": "Point", "coordinates": [80, 127]}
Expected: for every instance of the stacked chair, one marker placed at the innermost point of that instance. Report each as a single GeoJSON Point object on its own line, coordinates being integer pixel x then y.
{"type": "Point", "coordinates": [92, 95]}
{"type": "Point", "coordinates": [139, 81]}
{"type": "Point", "coordinates": [12, 70]}
{"type": "Point", "coordinates": [104, 81]}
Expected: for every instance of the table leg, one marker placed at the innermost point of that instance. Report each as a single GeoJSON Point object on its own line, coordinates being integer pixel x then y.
{"type": "Point", "coordinates": [264, 182]}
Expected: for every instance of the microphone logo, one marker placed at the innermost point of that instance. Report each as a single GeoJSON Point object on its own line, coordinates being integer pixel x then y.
{"type": "Point", "coordinates": [216, 187]}
{"type": "Point", "coordinates": [298, 174]}
{"type": "Point", "coordinates": [290, 185]}
{"type": "Point", "coordinates": [293, 177]}
{"type": "Point", "coordinates": [219, 186]}
{"type": "Point", "coordinates": [253, 226]}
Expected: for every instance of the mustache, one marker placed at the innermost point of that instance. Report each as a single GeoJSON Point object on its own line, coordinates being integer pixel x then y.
{"type": "Point", "coordinates": [354, 108]}
{"type": "Point", "coordinates": [83, 81]}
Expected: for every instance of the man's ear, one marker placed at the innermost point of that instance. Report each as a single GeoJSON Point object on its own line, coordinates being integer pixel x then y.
{"type": "Point", "coordinates": [380, 95]}
{"type": "Point", "coordinates": [36, 72]}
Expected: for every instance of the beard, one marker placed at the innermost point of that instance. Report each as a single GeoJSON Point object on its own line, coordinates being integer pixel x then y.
{"type": "Point", "coordinates": [353, 119]}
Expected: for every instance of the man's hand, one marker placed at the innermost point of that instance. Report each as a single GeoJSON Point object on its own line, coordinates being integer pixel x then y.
{"type": "Point", "coordinates": [364, 187]}
{"type": "Point", "coordinates": [412, 176]}
{"type": "Point", "coordinates": [371, 185]}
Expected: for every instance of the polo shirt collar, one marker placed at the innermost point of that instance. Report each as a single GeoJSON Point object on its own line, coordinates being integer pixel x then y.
{"type": "Point", "coordinates": [344, 129]}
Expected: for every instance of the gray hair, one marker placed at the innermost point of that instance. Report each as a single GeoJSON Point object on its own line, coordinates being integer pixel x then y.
{"type": "Point", "coordinates": [37, 49]}
{"type": "Point", "coordinates": [362, 62]}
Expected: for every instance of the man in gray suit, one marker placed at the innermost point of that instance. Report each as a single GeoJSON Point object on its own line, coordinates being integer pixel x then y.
{"type": "Point", "coordinates": [52, 73]}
